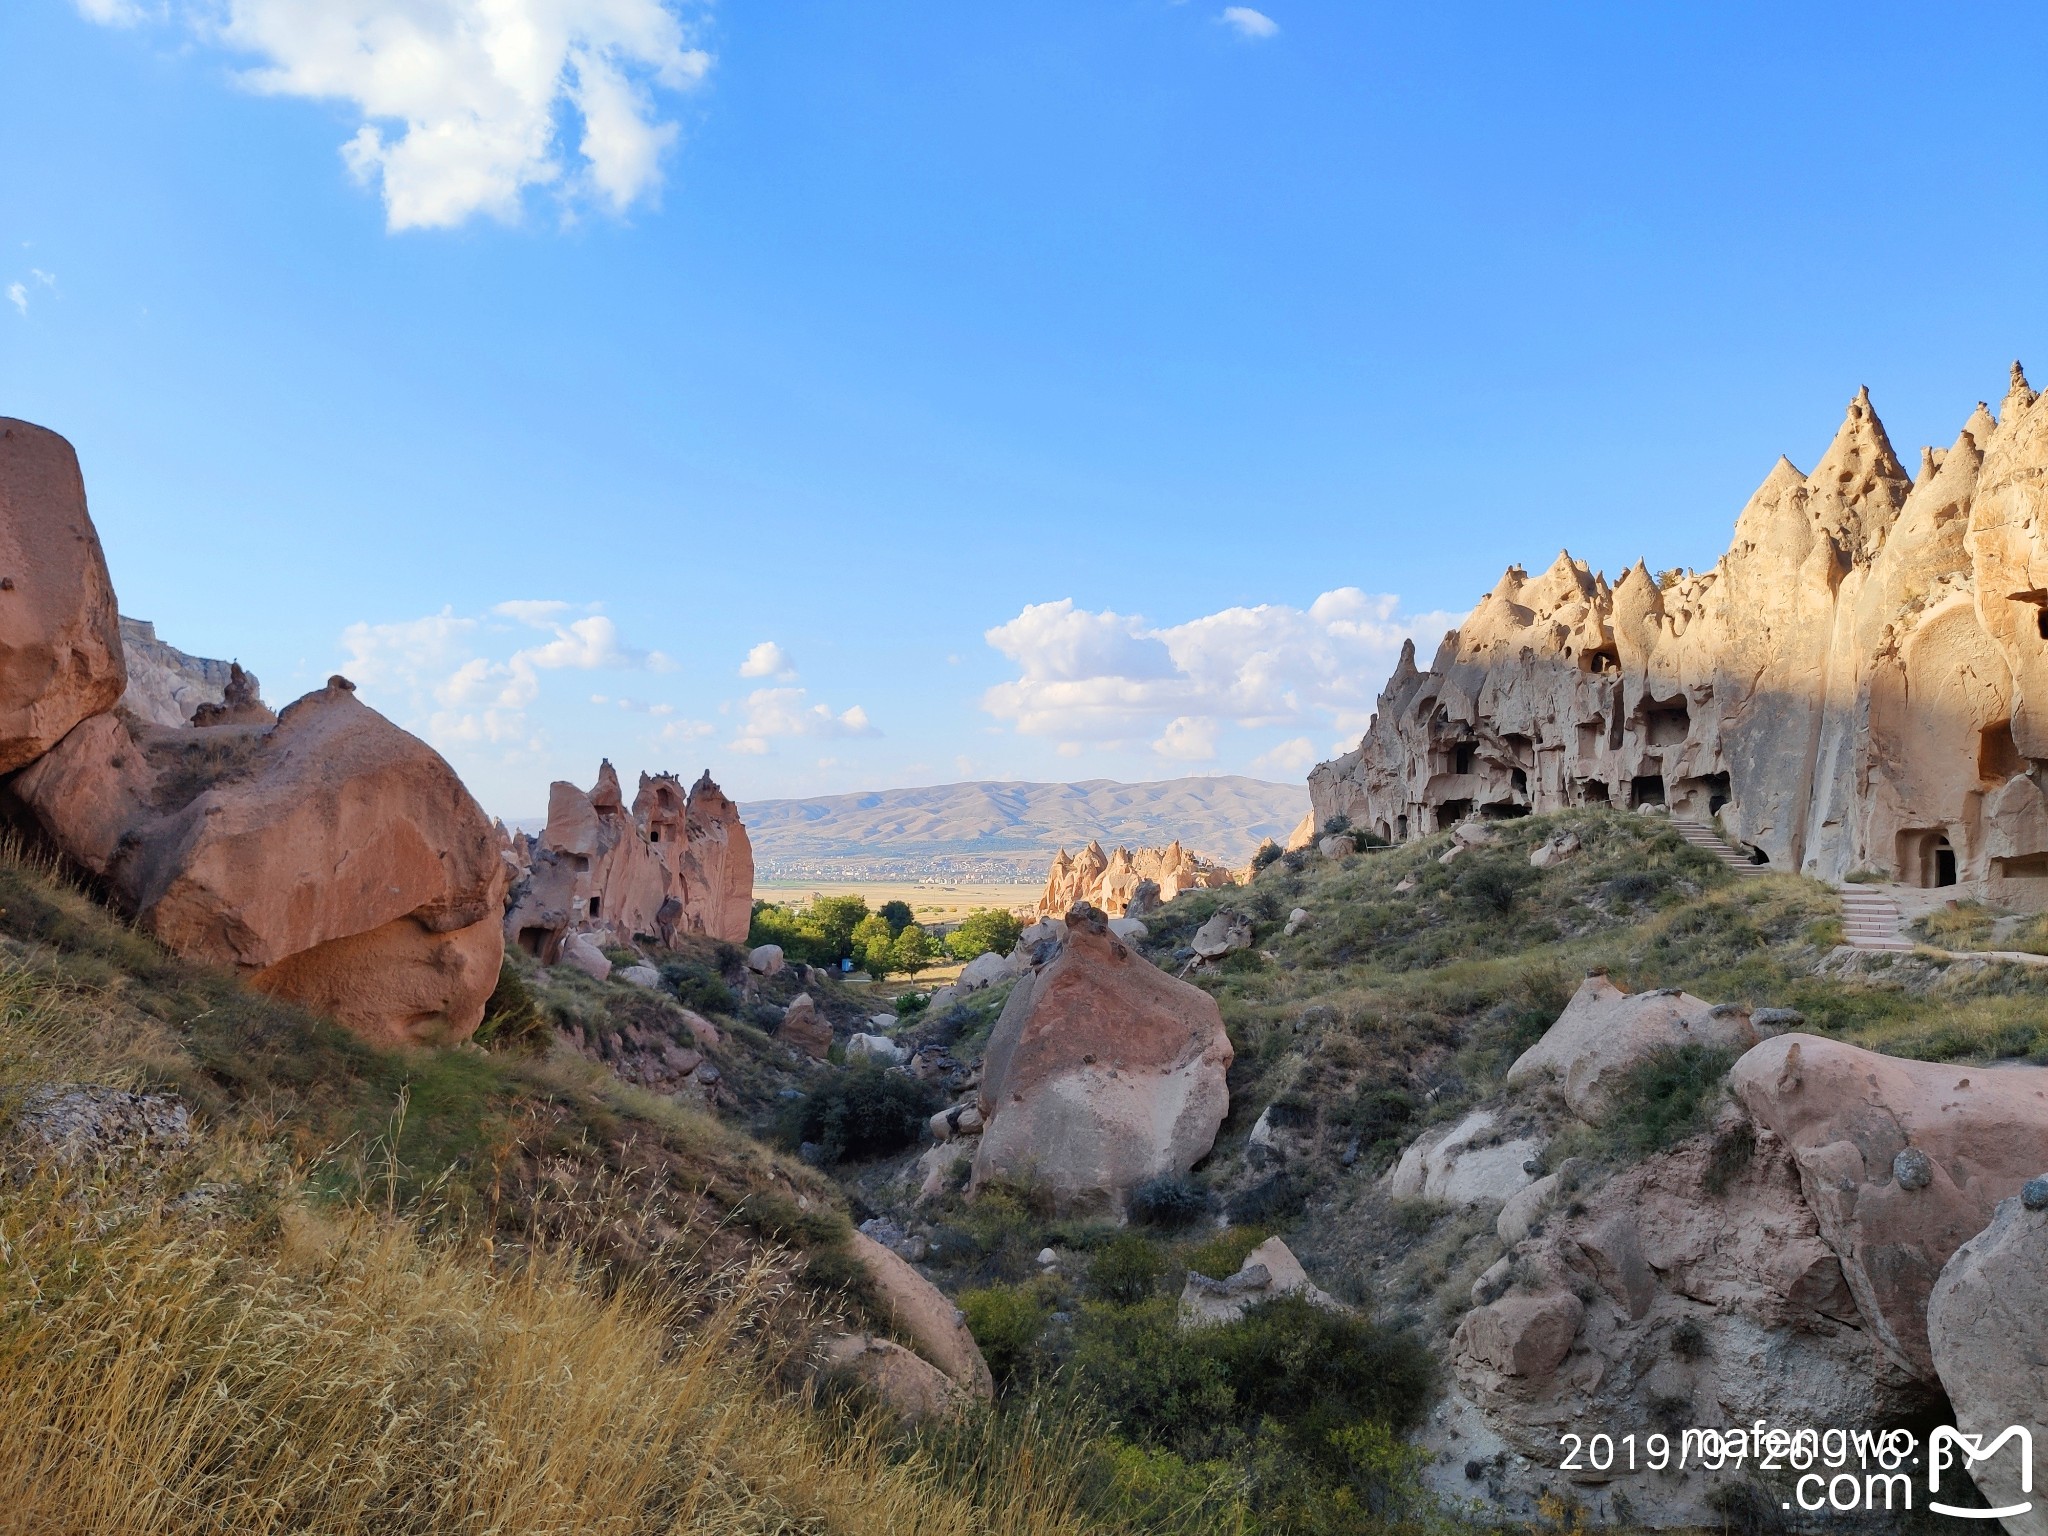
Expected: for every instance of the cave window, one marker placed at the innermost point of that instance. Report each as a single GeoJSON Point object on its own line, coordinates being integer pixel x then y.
{"type": "Point", "coordinates": [1381, 828]}
{"type": "Point", "coordinates": [2041, 622]}
{"type": "Point", "coordinates": [1520, 780]}
{"type": "Point", "coordinates": [1719, 792]}
{"type": "Point", "coordinates": [1592, 737]}
{"type": "Point", "coordinates": [1401, 828]}
{"type": "Point", "coordinates": [1451, 812]}
{"type": "Point", "coordinates": [1600, 659]}
{"type": "Point", "coordinates": [1944, 863]}
{"type": "Point", "coordinates": [1646, 789]}
{"type": "Point", "coordinates": [1668, 724]}
{"type": "Point", "coordinates": [1927, 858]}
{"type": "Point", "coordinates": [654, 835]}
{"type": "Point", "coordinates": [532, 940]}
{"type": "Point", "coordinates": [1998, 756]}
{"type": "Point", "coordinates": [1593, 792]}
{"type": "Point", "coordinates": [1461, 757]}
{"type": "Point", "coordinates": [593, 906]}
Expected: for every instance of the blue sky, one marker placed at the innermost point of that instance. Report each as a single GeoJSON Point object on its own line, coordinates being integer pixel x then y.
{"type": "Point", "coordinates": [843, 396]}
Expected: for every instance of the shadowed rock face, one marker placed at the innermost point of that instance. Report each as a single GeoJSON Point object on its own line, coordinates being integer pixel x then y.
{"type": "Point", "coordinates": [1860, 681]}
{"type": "Point", "coordinates": [1102, 1072]}
{"type": "Point", "coordinates": [60, 635]}
{"type": "Point", "coordinates": [676, 863]}
{"type": "Point", "coordinates": [1110, 882]}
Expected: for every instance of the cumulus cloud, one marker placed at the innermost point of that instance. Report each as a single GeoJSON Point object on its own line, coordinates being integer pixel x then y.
{"type": "Point", "coordinates": [464, 106]}
{"type": "Point", "coordinates": [464, 679]}
{"type": "Point", "coordinates": [17, 295]}
{"type": "Point", "coordinates": [768, 660]}
{"type": "Point", "coordinates": [1291, 758]}
{"type": "Point", "coordinates": [1104, 676]}
{"type": "Point", "coordinates": [1247, 22]}
{"type": "Point", "coordinates": [771, 713]}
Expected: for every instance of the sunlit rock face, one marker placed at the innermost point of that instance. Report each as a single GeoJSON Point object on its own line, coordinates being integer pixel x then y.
{"type": "Point", "coordinates": [1860, 682]}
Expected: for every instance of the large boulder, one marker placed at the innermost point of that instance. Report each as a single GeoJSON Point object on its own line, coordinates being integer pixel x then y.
{"type": "Point", "coordinates": [1268, 1271]}
{"type": "Point", "coordinates": [1222, 934]}
{"type": "Point", "coordinates": [805, 1029]}
{"type": "Point", "coordinates": [1102, 1072]}
{"type": "Point", "coordinates": [911, 1389]}
{"type": "Point", "coordinates": [1902, 1162]}
{"type": "Point", "coordinates": [1604, 1031]}
{"type": "Point", "coordinates": [921, 1313]}
{"type": "Point", "coordinates": [332, 857]}
{"type": "Point", "coordinates": [985, 970]}
{"type": "Point", "coordinates": [1475, 1162]}
{"type": "Point", "coordinates": [60, 634]}
{"type": "Point", "coordinates": [1987, 1322]}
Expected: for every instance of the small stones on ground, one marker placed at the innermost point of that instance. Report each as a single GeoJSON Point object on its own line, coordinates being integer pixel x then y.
{"type": "Point", "coordinates": [1047, 1258]}
{"type": "Point", "coordinates": [92, 1124]}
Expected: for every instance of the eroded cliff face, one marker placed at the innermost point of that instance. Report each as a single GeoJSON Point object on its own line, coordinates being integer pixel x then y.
{"type": "Point", "coordinates": [1113, 882]}
{"type": "Point", "coordinates": [678, 862]}
{"type": "Point", "coordinates": [1861, 681]}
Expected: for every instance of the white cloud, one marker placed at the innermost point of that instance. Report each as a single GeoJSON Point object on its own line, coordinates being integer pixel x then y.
{"type": "Point", "coordinates": [1247, 22]}
{"type": "Point", "coordinates": [1293, 758]}
{"type": "Point", "coordinates": [1188, 739]}
{"type": "Point", "coordinates": [456, 679]}
{"type": "Point", "coordinates": [1101, 676]}
{"type": "Point", "coordinates": [17, 295]}
{"type": "Point", "coordinates": [768, 660]}
{"type": "Point", "coordinates": [785, 712]}
{"type": "Point", "coordinates": [465, 105]}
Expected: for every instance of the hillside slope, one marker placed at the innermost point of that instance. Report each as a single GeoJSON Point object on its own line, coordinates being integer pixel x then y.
{"type": "Point", "coordinates": [952, 828]}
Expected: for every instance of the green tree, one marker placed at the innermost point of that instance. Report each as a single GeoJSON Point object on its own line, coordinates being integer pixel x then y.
{"type": "Point", "coordinates": [871, 946]}
{"type": "Point", "coordinates": [835, 918]}
{"type": "Point", "coordinates": [898, 914]}
{"type": "Point", "coordinates": [912, 950]}
{"type": "Point", "coordinates": [983, 930]}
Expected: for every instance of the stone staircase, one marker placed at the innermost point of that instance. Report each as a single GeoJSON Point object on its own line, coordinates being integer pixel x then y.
{"type": "Point", "coordinates": [1870, 919]}
{"type": "Point", "coordinates": [1703, 837]}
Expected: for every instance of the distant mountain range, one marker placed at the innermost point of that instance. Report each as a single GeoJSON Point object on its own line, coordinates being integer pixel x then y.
{"type": "Point", "coordinates": [1006, 831]}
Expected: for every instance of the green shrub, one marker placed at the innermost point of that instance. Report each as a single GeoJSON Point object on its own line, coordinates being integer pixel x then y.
{"type": "Point", "coordinates": [512, 1018]}
{"type": "Point", "coordinates": [1006, 1321]}
{"type": "Point", "coordinates": [897, 915]}
{"type": "Point", "coordinates": [1665, 1097]}
{"type": "Point", "coordinates": [1126, 1269]}
{"type": "Point", "coordinates": [868, 1111]}
{"type": "Point", "coordinates": [1169, 1201]}
{"type": "Point", "coordinates": [1490, 886]}
{"type": "Point", "coordinates": [1269, 853]}
{"type": "Point", "coordinates": [696, 985]}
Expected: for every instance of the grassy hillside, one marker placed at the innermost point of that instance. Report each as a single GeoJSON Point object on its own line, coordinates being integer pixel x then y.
{"type": "Point", "coordinates": [490, 1290]}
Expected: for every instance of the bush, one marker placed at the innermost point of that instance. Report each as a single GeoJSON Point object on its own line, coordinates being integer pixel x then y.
{"type": "Point", "coordinates": [897, 915]}
{"type": "Point", "coordinates": [1269, 853]}
{"type": "Point", "coordinates": [1125, 1270]}
{"type": "Point", "coordinates": [912, 1003]}
{"type": "Point", "coordinates": [1491, 886]}
{"type": "Point", "coordinates": [866, 1112]}
{"type": "Point", "coordinates": [1665, 1097]}
{"type": "Point", "coordinates": [1169, 1201]}
{"type": "Point", "coordinates": [1005, 1321]}
{"type": "Point", "coordinates": [696, 985]}
{"type": "Point", "coordinates": [511, 1018]}
{"type": "Point", "coordinates": [982, 931]}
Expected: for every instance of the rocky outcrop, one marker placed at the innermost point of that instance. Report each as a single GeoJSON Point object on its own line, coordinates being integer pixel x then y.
{"type": "Point", "coordinates": [1604, 1031]}
{"type": "Point", "coordinates": [60, 636]}
{"type": "Point", "coordinates": [675, 864]}
{"type": "Point", "coordinates": [1102, 1072]}
{"type": "Point", "coordinates": [1902, 1162]}
{"type": "Point", "coordinates": [1478, 1161]}
{"type": "Point", "coordinates": [920, 1312]}
{"type": "Point", "coordinates": [1861, 681]}
{"type": "Point", "coordinates": [167, 686]}
{"type": "Point", "coordinates": [332, 858]}
{"type": "Point", "coordinates": [1270, 1270]}
{"type": "Point", "coordinates": [911, 1389]}
{"type": "Point", "coordinates": [1110, 882]}
{"type": "Point", "coordinates": [1988, 1323]}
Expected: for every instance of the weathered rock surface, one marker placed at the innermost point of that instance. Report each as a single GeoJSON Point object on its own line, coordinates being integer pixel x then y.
{"type": "Point", "coordinates": [1102, 1071]}
{"type": "Point", "coordinates": [804, 1028]}
{"type": "Point", "coordinates": [1987, 1321]}
{"type": "Point", "coordinates": [1604, 1031]}
{"type": "Point", "coordinates": [1848, 1115]}
{"type": "Point", "coordinates": [1269, 1270]}
{"type": "Point", "coordinates": [1110, 882]}
{"type": "Point", "coordinates": [673, 864]}
{"type": "Point", "coordinates": [60, 636]}
{"type": "Point", "coordinates": [332, 857]}
{"type": "Point", "coordinates": [1222, 934]}
{"type": "Point", "coordinates": [1859, 682]}
{"type": "Point", "coordinates": [167, 686]}
{"type": "Point", "coordinates": [921, 1313]}
{"type": "Point", "coordinates": [908, 1386]}
{"type": "Point", "coordinates": [1470, 1163]}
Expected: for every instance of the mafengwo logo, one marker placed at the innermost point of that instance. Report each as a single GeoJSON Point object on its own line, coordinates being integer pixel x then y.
{"type": "Point", "coordinates": [1947, 1440]}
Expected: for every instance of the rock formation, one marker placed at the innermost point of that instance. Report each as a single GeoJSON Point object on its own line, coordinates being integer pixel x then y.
{"type": "Point", "coordinates": [1108, 882]}
{"type": "Point", "coordinates": [167, 686]}
{"type": "Point", "coordinates": [1102, 1072]}
{"type": "Point", "coordinates": [677, 863]}
{"type": "Point", "coordinates": [1861, 681]}
{"type": "Point", "coordinates": [60, 636]}
{"type": "Point", "coordinates": [1988, 1319]}
{"type": "Point", "coordinates": [1604, 1031]}
{"type": "Point", "coordinates": [327, 856]}
{"type": "Point", "coordinates": [1902, 1163]}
